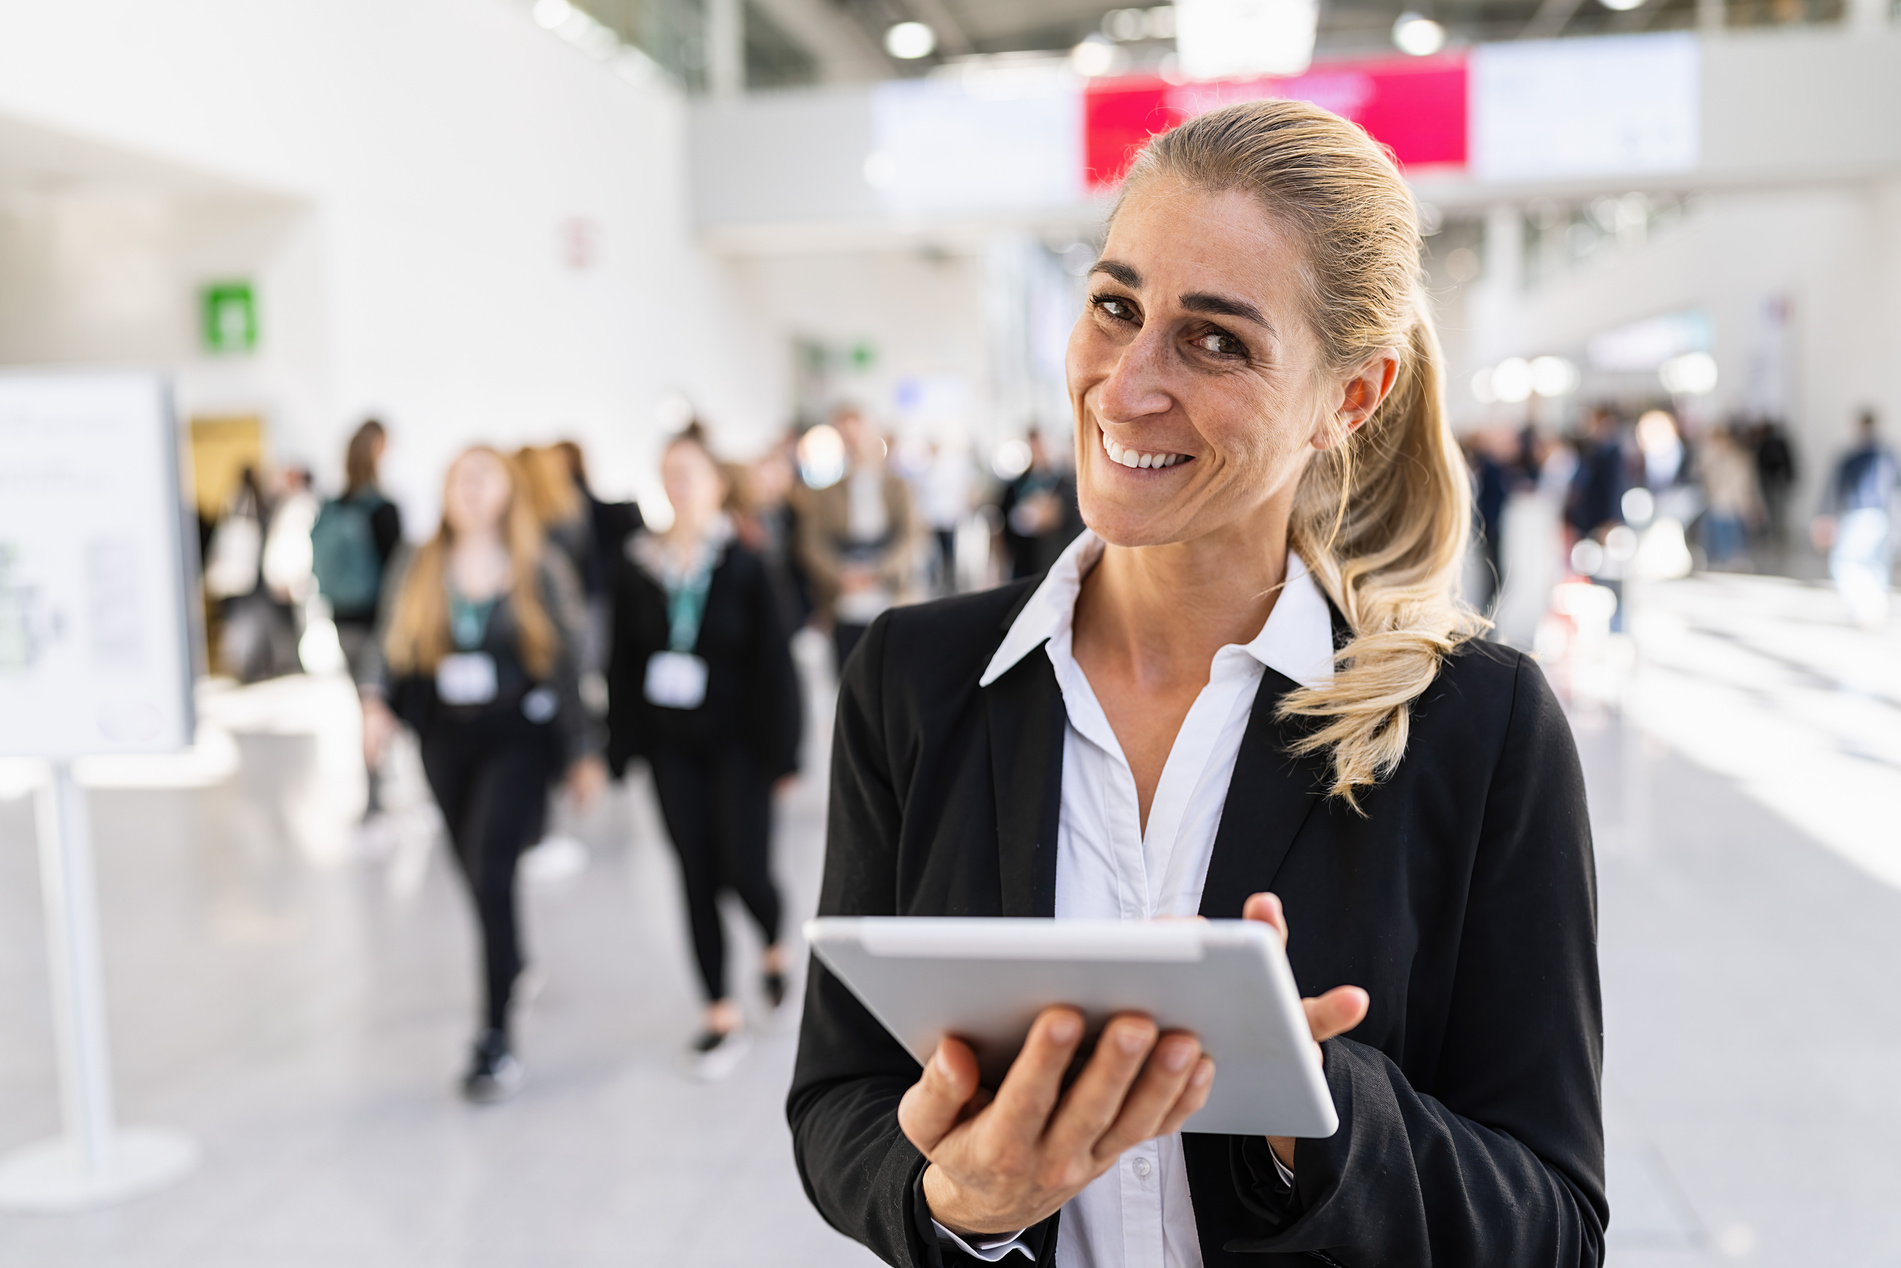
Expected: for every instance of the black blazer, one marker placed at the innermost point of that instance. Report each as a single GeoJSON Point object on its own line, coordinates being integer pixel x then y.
{"type": "Point", "coordinates": [1464, 901]}
{"type": "Point", "coordinates": [752, 688]}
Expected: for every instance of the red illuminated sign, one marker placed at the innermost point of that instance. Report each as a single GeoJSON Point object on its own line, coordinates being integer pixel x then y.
{"type": "Point", "coordinates": [1414, 105]}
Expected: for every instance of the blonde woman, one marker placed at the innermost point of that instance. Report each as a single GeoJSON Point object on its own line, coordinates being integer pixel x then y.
{"type": "Point", "coordinates": [1246, 691]}
{"type": "Point", "coordinates": [478, 658]}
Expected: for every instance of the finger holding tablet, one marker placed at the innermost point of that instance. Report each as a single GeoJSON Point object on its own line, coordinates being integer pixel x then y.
{"type": "Point", "coordinates": [1003, 1163]}
{"type": "Point", "coordinates": [1334, 1013]}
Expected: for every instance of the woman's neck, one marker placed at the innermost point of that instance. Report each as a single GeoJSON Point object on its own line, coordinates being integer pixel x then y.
{"type": "Point", "coordinates": [688, 531]}
{"type": "Point", "coordinates": [479, 564]}
{"type": "Point", "coordinates": [1156, 615]}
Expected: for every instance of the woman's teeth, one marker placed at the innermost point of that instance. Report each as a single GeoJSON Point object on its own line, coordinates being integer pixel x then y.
{"type": "Point", "coordinates": [1132, 458]}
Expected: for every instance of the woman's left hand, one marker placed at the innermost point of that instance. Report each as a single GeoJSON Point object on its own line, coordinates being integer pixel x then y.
{"type": "Point", "coordinates": [1335, 1013]}
{"type": "Point", "coordinates": [586, 780]}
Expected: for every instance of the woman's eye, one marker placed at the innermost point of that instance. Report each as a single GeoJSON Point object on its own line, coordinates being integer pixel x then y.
{"type": "Point", "coordinates": [1119, 309]}
{"type": "Point", "coordinates": [1221, 344]}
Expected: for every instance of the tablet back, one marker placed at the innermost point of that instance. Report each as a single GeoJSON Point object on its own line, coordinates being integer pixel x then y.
{"type": "Point", "coordinates": [985, 980]}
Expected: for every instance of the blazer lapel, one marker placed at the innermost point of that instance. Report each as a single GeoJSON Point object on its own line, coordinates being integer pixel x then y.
{"type": "Point", "coordinates": [1269, 798]}
{"type": "Point", "coordinates": [1025, 709]}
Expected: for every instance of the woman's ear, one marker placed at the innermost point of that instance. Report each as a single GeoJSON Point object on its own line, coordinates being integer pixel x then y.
{"type": "Point", "coordinates": [1360, 394]}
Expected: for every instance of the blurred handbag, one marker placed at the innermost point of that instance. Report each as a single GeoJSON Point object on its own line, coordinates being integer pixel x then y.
{"type": "Point", "coordinates": [232, 561]}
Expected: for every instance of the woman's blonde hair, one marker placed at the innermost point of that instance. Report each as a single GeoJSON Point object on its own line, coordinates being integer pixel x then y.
{"type": "Point", "coordinates": [1383, 516]}
{"type": "Point", "coordinates": [419, 636]}
{"type": "Point", "coordinates": [546, 478]}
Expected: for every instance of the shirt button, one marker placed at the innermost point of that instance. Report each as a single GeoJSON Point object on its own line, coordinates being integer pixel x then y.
{"type": "Point", "coordinates": [1142, 1168]}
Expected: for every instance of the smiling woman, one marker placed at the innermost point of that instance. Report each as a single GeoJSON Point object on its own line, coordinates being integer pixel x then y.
{"type": "Point", "coordinates": [1250, 675]}
{"type": "Point", "coordinates": [1313, 321]}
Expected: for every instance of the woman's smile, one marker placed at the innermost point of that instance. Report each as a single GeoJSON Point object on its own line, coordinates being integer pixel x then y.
{"type": "Point", "coordinates": [1141, 459]}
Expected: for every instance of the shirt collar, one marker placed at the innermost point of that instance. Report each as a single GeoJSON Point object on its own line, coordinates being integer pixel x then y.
{"type": "Point", "coordinates": [1296, 641]}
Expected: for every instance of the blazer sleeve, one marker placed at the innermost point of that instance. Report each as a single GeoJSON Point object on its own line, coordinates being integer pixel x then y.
{"type": "Point", "coordinates": [1502, 1161]}
{"type": "Point", "coordinates": [858, 1168]}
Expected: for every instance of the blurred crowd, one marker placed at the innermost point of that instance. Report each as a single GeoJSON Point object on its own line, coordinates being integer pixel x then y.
{"type": "Point", "coordinates": [1638, 496]}
{"type": "Point", "coordinates": [540, 640]}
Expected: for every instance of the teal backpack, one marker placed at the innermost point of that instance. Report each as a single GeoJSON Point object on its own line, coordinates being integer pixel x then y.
{"type": "Point", "coordinates": [343, 553]}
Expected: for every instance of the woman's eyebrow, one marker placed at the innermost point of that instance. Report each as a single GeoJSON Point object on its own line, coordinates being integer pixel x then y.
{"type": "Point", "coordinates": [1220, 305]}
{"type": "Point", "coordinates": [1119, 271]}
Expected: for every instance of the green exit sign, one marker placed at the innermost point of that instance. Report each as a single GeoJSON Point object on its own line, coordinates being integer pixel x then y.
{"type": "Point", "coordinates": [230, 317]}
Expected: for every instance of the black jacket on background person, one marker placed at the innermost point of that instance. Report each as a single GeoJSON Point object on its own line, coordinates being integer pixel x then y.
{"type": "Point", "coordinates": [752, 687]}
{"type": "Point", "coordinates": [1464, 901]}
{"type": "Point", "coordinates": [412, 697]}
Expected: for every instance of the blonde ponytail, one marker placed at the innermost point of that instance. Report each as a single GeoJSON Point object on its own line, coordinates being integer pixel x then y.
{"type": "Point", "coordinates": [1383, 517]}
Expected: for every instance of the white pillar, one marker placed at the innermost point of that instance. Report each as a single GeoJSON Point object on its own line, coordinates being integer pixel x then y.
{"type": "Point", "coordinates": [1505, 249]}
{"type": "Point", "coordinates": [725, 48]}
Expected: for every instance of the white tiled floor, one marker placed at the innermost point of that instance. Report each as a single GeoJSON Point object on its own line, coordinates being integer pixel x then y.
{"type": "Point", "coordinates": [305, 1018]}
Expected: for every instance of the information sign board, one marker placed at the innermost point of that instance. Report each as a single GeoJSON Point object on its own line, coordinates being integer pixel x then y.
{"type": "Point", "coordinates": [94, 644]}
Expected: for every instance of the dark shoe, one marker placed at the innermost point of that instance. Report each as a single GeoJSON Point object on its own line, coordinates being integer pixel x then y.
{"type": "Point", "coordinates": [774, 986]}
{"type": "Point", "coordinates": [494, 1074]}
{"type": "Point", "coordinates": [712, 1056]}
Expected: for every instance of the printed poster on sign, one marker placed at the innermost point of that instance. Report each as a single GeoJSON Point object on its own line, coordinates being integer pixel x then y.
{"type": "Point", "coordinates": [94, 646]}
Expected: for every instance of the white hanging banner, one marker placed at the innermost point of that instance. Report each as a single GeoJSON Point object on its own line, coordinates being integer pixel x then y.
{"type": "Point", "coordinates": [1609, 106]}
{"type": "Point", "coordinates": [95, 653]}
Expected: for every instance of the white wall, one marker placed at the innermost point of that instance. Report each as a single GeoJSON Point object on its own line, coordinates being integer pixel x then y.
{"type": "Point", "coordinates": [419, 158]}
{"type": "Point", "coordinates": [921, 310]}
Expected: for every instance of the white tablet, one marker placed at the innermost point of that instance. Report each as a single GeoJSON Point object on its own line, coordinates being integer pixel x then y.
{"type": "Point", "coordinates": [984, 980]}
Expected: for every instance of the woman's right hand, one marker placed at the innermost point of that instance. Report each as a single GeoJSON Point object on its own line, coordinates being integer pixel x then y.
{"type": "Point", "coordinates": [378, 725]}
{"type": "Point", "coordinates": [1004, 1162]}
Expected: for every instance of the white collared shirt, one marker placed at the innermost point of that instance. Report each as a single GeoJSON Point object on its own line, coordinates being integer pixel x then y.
{"type": "Point", "coordinates": [1138, 1214]}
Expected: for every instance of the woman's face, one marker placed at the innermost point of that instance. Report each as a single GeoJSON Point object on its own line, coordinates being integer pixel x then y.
{"type": "Point", "coordinates": [695, 488]}
{"type": "Point", "coordinates": [1194, 354]}
{"type": "Point", "coordinates": [478, 494]}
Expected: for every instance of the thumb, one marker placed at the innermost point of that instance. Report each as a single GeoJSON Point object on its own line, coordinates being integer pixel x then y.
{"type": "Point", "coordinates": [932, 1105]}
{"type": "Point", "coordinates": [1336, 1012]}
{"type": "Point", "coordinates": [1267, 909]}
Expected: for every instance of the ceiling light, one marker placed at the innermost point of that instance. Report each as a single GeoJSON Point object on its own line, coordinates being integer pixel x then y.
{"type": "Point", "coordinates": [1553, 376]}
{"type": "Point", "coordinates": [1692, 374]}
{"type": "Point", "coordinates": [1622, 6]}
{"type": "Point", "coordinates": [1093, 57]}
{"type": "Point", "coordinates": [1243, 39]}
{"type": "Point", "coordinates": [1418, 35]}
{"type": "Point", "coordinates": [909, 41]}
{"type": "Point", "coordinates": [552, 13]}
{"type": "Point", "coordinates": [1511, 380]}
{"type": "Point", "coordinates": [1124, 25]}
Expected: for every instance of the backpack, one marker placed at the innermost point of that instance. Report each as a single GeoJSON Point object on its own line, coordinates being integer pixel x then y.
{"type": "Point", "coordinates": [343, 554]}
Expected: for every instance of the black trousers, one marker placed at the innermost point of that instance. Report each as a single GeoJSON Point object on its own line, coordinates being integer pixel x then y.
{"type": "Point", "coordinates": [490, 775]}
{"type": "Point", "coordinates": [718, 809]}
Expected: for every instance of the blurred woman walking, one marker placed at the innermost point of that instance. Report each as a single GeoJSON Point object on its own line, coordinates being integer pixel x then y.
{"type": "Point", "coordinates": [701, 684]}
{"type": "Point", "coordinates": [479, 657]}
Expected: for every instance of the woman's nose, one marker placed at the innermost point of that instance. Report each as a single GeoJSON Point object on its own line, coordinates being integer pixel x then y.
{"type": "Point", "coordinates": [1137, 385]}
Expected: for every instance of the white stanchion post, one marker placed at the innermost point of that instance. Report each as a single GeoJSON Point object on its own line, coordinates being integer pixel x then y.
{"type": "Point", "coordinates": [94, 1164]}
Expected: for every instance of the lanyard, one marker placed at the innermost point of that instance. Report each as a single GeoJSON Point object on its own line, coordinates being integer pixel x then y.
{"type": "Point", "coordinates": [468, 620]}
{"type": "Point", "coordinates": [686, 604]}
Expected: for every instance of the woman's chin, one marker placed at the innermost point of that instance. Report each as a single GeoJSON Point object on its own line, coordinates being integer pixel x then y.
{"type": "Point", "coordinates": [1120, 524]}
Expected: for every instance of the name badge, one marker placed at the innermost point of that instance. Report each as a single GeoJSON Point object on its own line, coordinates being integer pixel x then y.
{"type": "Point", "coordinates": [676, 680]}
{"type": "Point", "coordinates": [466, 678]}
{"type": "Point", "coordinates": [540, 705]}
